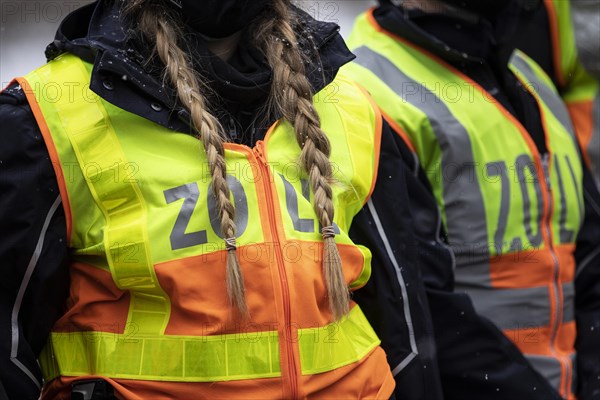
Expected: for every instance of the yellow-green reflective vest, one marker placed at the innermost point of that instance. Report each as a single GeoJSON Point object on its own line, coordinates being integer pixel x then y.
{"type": "Point", "coordinates": [580, 90]}
{"type": "Point", "coordinates": [511, 215]}
{"type": "Point", "coordinates": [148, 298]}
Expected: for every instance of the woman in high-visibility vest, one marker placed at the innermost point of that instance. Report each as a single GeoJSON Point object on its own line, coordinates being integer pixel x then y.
{"type": "Point", "coordinates": [189, 195]}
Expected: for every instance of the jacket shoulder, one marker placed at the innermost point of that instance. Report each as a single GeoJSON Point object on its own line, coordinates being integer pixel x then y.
{"type": "Point", "coordinates": [12, 95]}
{"type": "Point", "coordinates": [20, 133]}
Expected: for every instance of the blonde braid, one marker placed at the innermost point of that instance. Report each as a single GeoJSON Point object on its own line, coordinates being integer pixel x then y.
{"type": "Point", "coordinates": [292, 97]}
{"type": "Point", "coordinates": [158, 27]}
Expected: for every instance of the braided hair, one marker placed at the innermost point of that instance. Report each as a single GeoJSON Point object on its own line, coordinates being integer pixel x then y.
{"type": "Point", "coordinates": [291, 97]}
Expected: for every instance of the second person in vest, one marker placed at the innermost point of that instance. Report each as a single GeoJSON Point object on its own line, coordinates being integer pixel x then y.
{"type": "Point", "coordinates": [497, 148]}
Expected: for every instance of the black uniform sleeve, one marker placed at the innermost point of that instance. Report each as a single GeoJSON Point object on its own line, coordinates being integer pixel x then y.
{"type": "Point", "coordinates": [3, 395]}
{"type": "Point", "coordinates": [587, 294]}
{"type": "Point", "coordinates": [33, 247]}
{"type": "Point", "coordinates": [394, 300]}
{"type": "Point", "coordinates": [474, 359]}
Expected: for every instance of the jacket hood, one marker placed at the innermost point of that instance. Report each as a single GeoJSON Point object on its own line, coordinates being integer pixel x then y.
{"type": "Point", "coordinates": [123, 76]}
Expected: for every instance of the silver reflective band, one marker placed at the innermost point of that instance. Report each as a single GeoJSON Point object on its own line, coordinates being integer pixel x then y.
{"type": "Point", "coordinates": [513, 309]}
{"type": "Point", "coordinates": [14, 349]}
{"type": "Point", "coordinates": [548, 367]}
{"type": "Point", "coordinates": [463, 200]}
{"type": "Point", "coordinates": [177, 3]}
{"type": "Point", "coordinates": [411, 332]}
{"type": "Point", "coordinates": [546, 93]}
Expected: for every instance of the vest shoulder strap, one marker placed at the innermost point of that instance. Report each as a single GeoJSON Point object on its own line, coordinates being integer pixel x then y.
{"type": "Point", "coordinates": [79, 117]}
{"type": "Point", "coordinates": [362, 127]}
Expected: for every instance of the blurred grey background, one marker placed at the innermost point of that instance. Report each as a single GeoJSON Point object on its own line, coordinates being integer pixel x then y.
{"type": "Point", "coordinates": [27, 26]}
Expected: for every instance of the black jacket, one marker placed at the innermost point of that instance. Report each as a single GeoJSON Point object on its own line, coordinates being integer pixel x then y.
{"type": "Point", "coordinates": [33, 252]}
{"type": "Point", "coordinates": [465, 360]}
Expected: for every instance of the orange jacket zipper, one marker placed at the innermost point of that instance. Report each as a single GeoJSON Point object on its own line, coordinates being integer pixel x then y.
{"type": "Point", "coordinates": [542, 166]}
{"type": "Point", "coordinates": [266, 176]}
{"type": "Point", "coordinates": [545, 164]}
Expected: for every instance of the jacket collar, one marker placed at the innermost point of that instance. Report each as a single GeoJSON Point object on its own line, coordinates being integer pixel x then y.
{"type": "Point", "coordinates": [449, 37]}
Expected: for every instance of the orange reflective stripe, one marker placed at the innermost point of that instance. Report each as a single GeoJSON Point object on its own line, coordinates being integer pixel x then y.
{"type": "Point", "coordinates": [536, 340]}
{"type": "Point", "coordinates": [206, 303]}
{"type": "Point", "coordinates": [96, 295]}
{"type": "Point", "coordinates": [530, 268]}
{"type": "Point", "coordinates": [565, 338]}
{"type": "Point", "coordinates": [533, 340]}
{"type": "Point", "coordinates": [399, 130]}
{"type": "Point", "coordinates": [582, 114]}
{"type": "Point", "coordinates": [521, 269]}
{"type": "Point", "coordinates": [566, 259]}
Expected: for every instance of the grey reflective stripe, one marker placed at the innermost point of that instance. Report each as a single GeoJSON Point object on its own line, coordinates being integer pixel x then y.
{"type": "Point", "coordinates": [240, 202]}
{"type": "Point", "coordinates": [565, 234]}
{"type": "Point", "coordinates": [179, 238]}
{"type": "Point", "coordinates": [417, 162]}
{"type": "Point", "coordinates": [463, 200]}
{"type": "Point", "coordinates": [568, 302]}
{"type": "Point", "coordinates": [593, 149]}
{"type": "Point", "coordinates": [546, 93]}
{"type": "Point", "coordinates": [512, 308]}
{"type": "Point", "coordinates": [291, 201]}
{"type": "Point", "coordinates": [473, 268]}
{"type": "Point", "coordinates": [407, 315]}
{"type": "Point", "coordinates": [15, 332]}
{"type": "Point", "coordinates": [548, 367]}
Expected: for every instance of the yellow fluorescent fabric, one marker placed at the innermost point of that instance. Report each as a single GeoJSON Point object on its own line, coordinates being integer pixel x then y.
{"type": "Point", "coordinates": [164, 358]}
{"type": "Point", "coordinates": [247, 355]}
{"type": "Point", "coordinates": [335, 345]}
{"type": "Point", "coordinates": [131, 218]}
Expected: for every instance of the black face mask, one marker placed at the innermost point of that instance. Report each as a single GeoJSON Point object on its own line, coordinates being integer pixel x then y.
{"type": "Point", "coordinates": [485, 8]}
{"type": "Point", "coordinates": [218, 18]}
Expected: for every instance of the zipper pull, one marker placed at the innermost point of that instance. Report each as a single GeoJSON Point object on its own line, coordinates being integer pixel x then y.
{"type": "Point", "coordinates": [546, 168]}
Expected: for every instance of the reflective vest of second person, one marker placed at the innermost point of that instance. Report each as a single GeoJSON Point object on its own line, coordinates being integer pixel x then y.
{"type": "Point", "coordinates": [511, 214]}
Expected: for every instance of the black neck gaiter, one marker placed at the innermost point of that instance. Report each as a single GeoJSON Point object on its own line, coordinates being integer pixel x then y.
{"type": "Point", "coordinates": [218, 18]}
